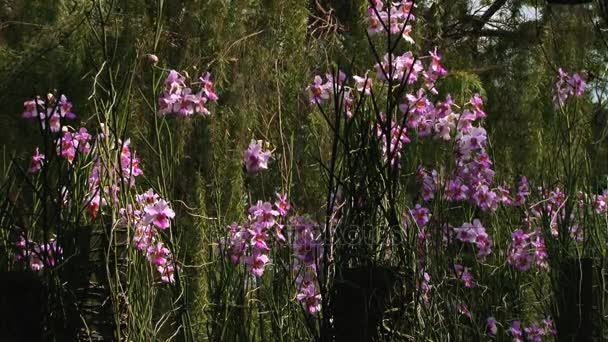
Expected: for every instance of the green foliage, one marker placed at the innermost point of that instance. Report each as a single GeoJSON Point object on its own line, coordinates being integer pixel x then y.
{"type": "Point", "coordinates": [262, 53]}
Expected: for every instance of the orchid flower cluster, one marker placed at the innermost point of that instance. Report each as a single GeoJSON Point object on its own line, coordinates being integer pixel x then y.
{"type": "Point", "coordinates": [463, 273]}
{"type": "Point", "coordinates": [68, 147]}
{"type": "Point", "coordinates": [568, 86]}
{"type": "Point", "coordinates": [52, 111]}
{"type": "Point", "coordinates": [534, 333]}
{"type": "Point", "coordinates": [150, 215]}
{"type": "Point", "coordinates": [420, 215]}
{"type": "Point", "coordinates": [147, 216]}
{"type": "Point", "coordinates": [394, 142]}
{"type": "Point", "coordinates": [256, 158]}
{"type": "Point", "coordinates": [36, 162]}
{"type": "Point", "coordinates": [472, 179]}
{"type": "Point", "coordinates": [73, 143]}
{"type": "Point", "coordinates": [180, 99]}
{"type": "Point", "coordinates": [393, 18]}
{"type": "Point", "coordinates": [526, 250]}
{"type": "Point", "coordinates": [421, 115]}
{"type": "Point", "coordinates": [308, 250]}
{"type": "Point", "coordinates": [475, 234]}
{"type": "Point", "coordinates": [125, 173]}
{"type": "Point", "coordinates": [38, 256]}
{"type": "Point", "coordinates": [249, 244]}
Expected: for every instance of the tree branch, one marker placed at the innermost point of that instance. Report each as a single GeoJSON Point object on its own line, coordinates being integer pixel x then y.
{"type": "Point", "coordinates": [488, 14]}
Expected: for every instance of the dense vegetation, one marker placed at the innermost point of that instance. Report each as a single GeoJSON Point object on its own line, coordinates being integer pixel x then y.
{"type": "Point", "coordinates": [357, 201]}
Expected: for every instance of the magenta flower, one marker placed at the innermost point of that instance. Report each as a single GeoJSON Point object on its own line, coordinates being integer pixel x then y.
{"type": "Point", "coordinates": [82, 139]}
{"type": "Point", "coordinates": [436, 68]}
{"type": "Point", "coordinates": [476, 234]}
{"type": "Point", "coordinates": [348, 103]}
{"type": "Point", "coordinates": [36, 263]}
{"type": "Point", "coordinates": [405, 9]}
{"type": "Point", "coordinates": [503, 195]}
{"type": "Point", "coordinates": [309, 297]}
{"type": "Point", "coordinates": [474, 141]}
{"type": "Point", "coordinates": [407, 31]}
{"type": "Point", "coordinates": [148, 197]}
{"type": "Point", "coordinates": [33, 109]}
{"type": "Point", "coordinates": [363, 84]}
{"type": "Point", "coordinates": [339, 83]}
{"type": "Point", "coordinates": [455, 191]}
{"type": "Point", "coordinates": [166, 103]}
{"type": "Point", "coordinates": [523, 191]}
{"type": "Point", "coordinates": [184, 106]}
{"type": "Point", "coordinates": [376, 19]}
{"type": "Point", "coordinates": [263, 214]}
{"type": "Point", "coordinates": [238, 238]}
{"type": "Point", "coordinates": [484, 246]}
{"type": "Point", "coordinates": [175, 82]}
{"type": "Point", "coordinates": [67, 146]}
{"type": "Point", "coordinates": [521, 260]}
{"type": "Point", "coordinates": [307, 248]}
{"type": "Point", "coordinates": [527, 249]}
{"type": "Point", "coordinates": [159, 214]}
{"type": "Point", "coordinates": [180, 99]}
{"type": "Point", "coordinates": [421, 215]}
{"type": "Point", "coordinates": [485, 199]}
{"type": "Point", "coordinates": [464, 275]}
{"type": "Point", "coordinates": [319, 92]}
{"type": "Point", "coordinates": [377, 4]}
{"type": "Point", "coordinates": [491, 327]}
{"type": "Point", "coordinates": [65, 108]}
{"type": "Point", "coordinates": [158, 254]}
{"type": "Point", "coordinates": [207, 87]}
{"type": "Point", "coordinates": [393, 143]}
{"type": "Point", "coordinates": [199, 101]}
{"type": "Point", "coordinates": [541, 257]}
{"type": "Point", "coordinates": [567, 86]}
{"type": "Point", "coordinates": [94, 203]}
{"type": "Point", "coordinates": [428, 183]}
{"type": "Point", "coordinates": [516, 332]}
{"type": "Point", "coordinates": [599, 204]}
{"type": "Point", "coordinates": [37, 162]}
{"type": "Point", "coordinates": [55, 110]}
{"type": "Point", "coordinates": [40, 256]}
{"type": "Point", "coordinates": [278, 233]}
{"type": "Point", "coordinates": [549, 326]}
{"type": "Point", "coordinates": [167, 273]}
{"type": "Point", "coordinates": [466, 233]}
{"type": "Point", "coordinates": [129, 164]}
{"type": "Point", "coordinates": [256, 159]}
{"type": "Point", "coordinates": [144, 237]}
{"type": "Point", "coordinates": [282, 204]}
{"type": "Point", "coordinates": [54, 122]}
{"type": "Point", "coordinates": [578, 85]}
{"type": "Point", "coordinates": [534, 333]}
{"type": "Point", "coordinates": [519, 239]}
{"type": "Point", "coordinates": [256, 263]}
{"type": "Point", "coordinates": [385, 69]}
{"type": "Point", "coordinates": [258, 238]}
{"type": "Point", "coordinates": [477, 103]}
